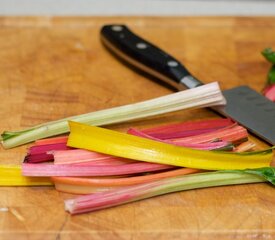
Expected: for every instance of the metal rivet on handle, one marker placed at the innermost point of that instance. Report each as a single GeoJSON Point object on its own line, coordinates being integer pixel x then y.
{"type": "Point", "coordinates": [117, 28]}
{"type": "Point", "coordinates": [172, 64]}
{"type": "Point", "coordinates": [141, 45]}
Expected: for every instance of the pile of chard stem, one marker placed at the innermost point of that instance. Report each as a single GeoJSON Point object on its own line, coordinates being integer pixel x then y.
{"type": "Point", "coordinates": [113, 168]}
{"type": "Point", "coordinates": [112, 180]}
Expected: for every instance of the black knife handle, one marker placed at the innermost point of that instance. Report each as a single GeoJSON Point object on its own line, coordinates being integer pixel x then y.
{"type": "Point", "coordinates": [146, 56]}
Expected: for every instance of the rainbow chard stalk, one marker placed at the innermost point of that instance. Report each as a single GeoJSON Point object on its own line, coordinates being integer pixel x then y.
{"type": "Point", "coordinates": [233, 133]}
{"type": "Point", "coordinates": [203, 96]}
{"type": "Point", "coordinates": [89, 169]}
{"type": "Point", "coordinates": [124, 195]}
{"type": "Point", "coordinates": [42, 153]}
{"type": "Point", "coordinates": [80, 185]}
{"type": "Point", "coordinates": [269, 90]}
{"type": "Point", "coordinates": [186, 129]}
{"type": "Point", "coordinates": [80, 156]}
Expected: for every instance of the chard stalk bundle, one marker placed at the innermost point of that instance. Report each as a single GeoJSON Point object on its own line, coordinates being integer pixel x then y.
{"type": "Point", "coordinates": [123, 168]}
{"type": "Point", "coordinates": [119, 168]}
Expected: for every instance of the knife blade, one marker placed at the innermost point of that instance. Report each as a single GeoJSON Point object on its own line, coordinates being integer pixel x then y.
{"type": "Point", "coordinates": [244, 105]}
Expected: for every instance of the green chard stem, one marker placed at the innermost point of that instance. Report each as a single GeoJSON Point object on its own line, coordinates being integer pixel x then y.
{"type": "Point", "coordinates": [203, 96]}
{"type": "Point", "coordinates": [111, 198]}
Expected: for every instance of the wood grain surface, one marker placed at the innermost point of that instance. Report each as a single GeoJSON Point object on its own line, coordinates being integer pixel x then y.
{"type": "Point", "coordinates": [52, 68]}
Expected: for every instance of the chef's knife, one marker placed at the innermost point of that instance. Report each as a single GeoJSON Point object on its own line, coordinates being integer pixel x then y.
{"type": "Point", "coordinates": [244, 105]}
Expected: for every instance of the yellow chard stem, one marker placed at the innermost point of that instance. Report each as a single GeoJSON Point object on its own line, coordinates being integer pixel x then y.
{"type": "Point", "coordinates": [10, 175]}
{"type": "Point", "coordinates": [133, 147]}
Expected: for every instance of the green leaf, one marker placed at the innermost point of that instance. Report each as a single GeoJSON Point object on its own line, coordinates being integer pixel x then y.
{"type": "Point", "coordinates": [271, 75]}
{"type": "Point", "coordinates": [268, 173]}
{"type": "Point", "coordinates": [269, 55]}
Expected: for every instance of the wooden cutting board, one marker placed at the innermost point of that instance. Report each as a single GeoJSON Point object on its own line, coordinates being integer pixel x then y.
{"type": "Point", "coordinates": [52, 68]}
